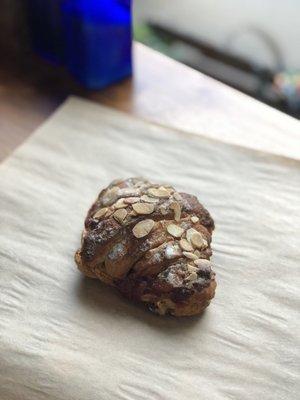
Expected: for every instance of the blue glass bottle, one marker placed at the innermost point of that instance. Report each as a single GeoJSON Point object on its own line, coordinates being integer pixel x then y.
{"type": "Point", "coordinates": [98, 38]}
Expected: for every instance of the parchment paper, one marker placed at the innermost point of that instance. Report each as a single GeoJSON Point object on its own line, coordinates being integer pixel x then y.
{"type": "Point", "coordinates": [66, 337]}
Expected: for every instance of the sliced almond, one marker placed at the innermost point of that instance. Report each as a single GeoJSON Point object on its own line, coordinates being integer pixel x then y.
{"type": "Point", "coordinates": [168, 188]}
{"type": "Point", "coordinates": [100, 213]}
{"type": "Point", "coordinates": [177, 210]}
{"type": "Point", "coordinates": [131, 200]}
{"type": "Point", "coordinates": [202, 262]}
{"type": "Point", "coordinates": [194, 219]}
{"type": "Point", "coordinates": [110, 196]}
{"type": "Point", "coordinates": [160, 192]}
{"type": "Point", "coordinates": [189, 233]}
{"type": "Point", "coordinates": [192, 268]}
{"type": "Point", "coordinates": [177, 196]}
{"type": "Point", "coordinates": [109, 212]}
{"type": "Point", "coordinates": [143, 228]}
{"type": "Point", "coordinates": [189, 255]}
{"type": "Point", "coordinates": [185, 245]}
{"type": "Point", "coordinates": [149, 199]}
{"type": "Point", "coordinates": [143, 208]}
{"type": "Point", "coordinates": [120, 215]}
{"type": "Point", "coordinates": [192, 277]}
{"type": "Point", "coordinates": [163, 210]}
{"type": "Point", "coordinates": [120, 204]}
{"type": "Point", "coordinates": [198, 254]}
{"type": "Point", "coordinates": [166, 185]}
{"type": "Point", "coordinates": [128, 192]}
{"type": "Point", "coordinates": [198, 241]}
{"type": "Point", "coordinates": [175, 230]}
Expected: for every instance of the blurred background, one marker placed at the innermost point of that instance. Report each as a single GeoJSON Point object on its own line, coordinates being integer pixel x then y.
{"type": "Point", "coordinates": [251, 45]}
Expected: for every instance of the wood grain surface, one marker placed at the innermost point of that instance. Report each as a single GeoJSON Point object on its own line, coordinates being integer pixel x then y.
{"type": "Point", "coordinates": [161, 90]}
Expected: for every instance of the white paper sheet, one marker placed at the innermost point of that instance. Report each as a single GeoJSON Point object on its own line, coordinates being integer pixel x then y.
{"type": "Point", "coordinates": [66, 337]}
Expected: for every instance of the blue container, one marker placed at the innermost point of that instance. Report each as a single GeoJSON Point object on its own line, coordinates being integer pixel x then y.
{"type": "Point", "coordinates": [98, 38]}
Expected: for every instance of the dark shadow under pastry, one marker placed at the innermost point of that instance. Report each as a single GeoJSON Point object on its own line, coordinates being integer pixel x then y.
{"type": "Point", "coordinates": [153, 244]}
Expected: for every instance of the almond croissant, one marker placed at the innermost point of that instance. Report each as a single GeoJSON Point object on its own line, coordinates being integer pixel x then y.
{"type": "Point", "coordinates": [153, 244]}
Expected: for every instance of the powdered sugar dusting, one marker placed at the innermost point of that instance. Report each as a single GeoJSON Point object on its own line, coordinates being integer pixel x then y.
{"type": "Point", "coordinates": [172, 251]}
{"type": "Point", "coordinates": [173, 279]}
{"type": "Point", "coordinates": [117, 251]}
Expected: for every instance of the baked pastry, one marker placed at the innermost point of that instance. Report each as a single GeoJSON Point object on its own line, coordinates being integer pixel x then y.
{"type": "Point", "coordinates": [153, 244]}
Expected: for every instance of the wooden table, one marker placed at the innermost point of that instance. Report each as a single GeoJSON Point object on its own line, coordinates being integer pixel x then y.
{"type": "Point", "coordinates": [162, 90]}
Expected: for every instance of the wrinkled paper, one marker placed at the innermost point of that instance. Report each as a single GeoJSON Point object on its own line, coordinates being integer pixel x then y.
{"type": "Point", "coordinates": [67, 337]}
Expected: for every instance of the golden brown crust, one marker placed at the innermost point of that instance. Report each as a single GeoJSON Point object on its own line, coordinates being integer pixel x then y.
{"type": "Point", "coordinates": [152, 243]}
